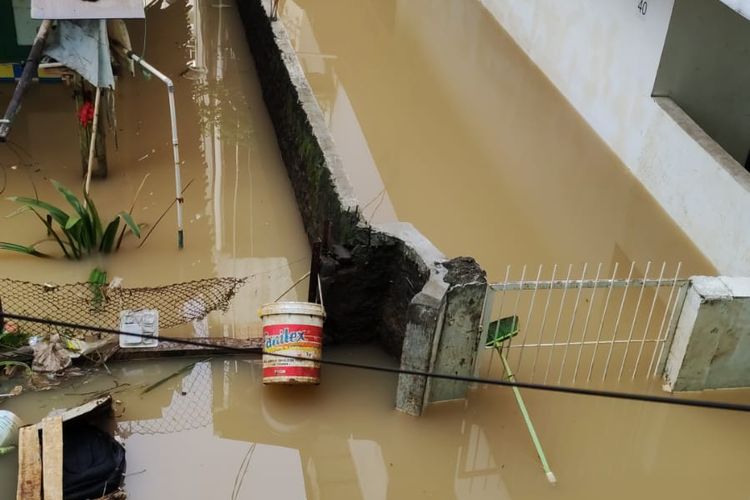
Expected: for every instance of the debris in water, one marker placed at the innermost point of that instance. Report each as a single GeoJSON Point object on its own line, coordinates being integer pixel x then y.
{"type": "Point", "coordinates": [182, 370]}
{"type": "Point", "coordinates": [51, 356]}
{"type": "Point", "coordinates": [146, 155]}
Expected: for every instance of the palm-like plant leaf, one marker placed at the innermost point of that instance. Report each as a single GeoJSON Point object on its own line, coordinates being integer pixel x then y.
{"type": "Point", "coordinates": [82, 229]}
{"type": "Point", "coordinates": [130, 223]}
{"type": "Point", "coordinates": [12, 247]}
{"type": "Point", "coordinates": [108, 238]}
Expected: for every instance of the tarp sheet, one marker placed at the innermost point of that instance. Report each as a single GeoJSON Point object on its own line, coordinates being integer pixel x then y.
{"type": "Point", "coordinates": [82, 45]}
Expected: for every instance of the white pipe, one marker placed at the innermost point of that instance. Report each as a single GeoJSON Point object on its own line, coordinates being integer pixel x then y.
{"type": "Point", "coordinates": [175, 144]}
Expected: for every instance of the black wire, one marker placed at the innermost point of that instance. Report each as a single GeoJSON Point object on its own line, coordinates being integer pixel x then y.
{"type": "Point", "coordinates": [696, 403]}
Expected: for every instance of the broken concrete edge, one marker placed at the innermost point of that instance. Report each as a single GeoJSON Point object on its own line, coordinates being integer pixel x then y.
{"type": "Point", "coordinates": [457, 344]}
{"type": "Point", "coordinates": [393, 286]}
{"type": "Point", "coordinates": [710, 348]}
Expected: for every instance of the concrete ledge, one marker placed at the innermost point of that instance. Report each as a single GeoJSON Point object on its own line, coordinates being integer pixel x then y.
{"type": "Point", "coordinates": [710, 146]}
{"type": "Point", "coordinates": [386, 283]}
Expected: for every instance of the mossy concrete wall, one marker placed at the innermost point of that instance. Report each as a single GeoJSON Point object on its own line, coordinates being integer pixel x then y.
{"type": "Point", "coordinates": [388, 282]}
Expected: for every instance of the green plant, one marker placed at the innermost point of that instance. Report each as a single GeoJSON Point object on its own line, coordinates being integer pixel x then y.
{"type": "Point", "coordinates": [97, 279]}
{"type": "Point", "coordinates": [78, 233]}
{"type": "Point", "coordinates": [13, 340]}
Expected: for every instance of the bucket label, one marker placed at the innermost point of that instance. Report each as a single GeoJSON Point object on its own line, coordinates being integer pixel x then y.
{"type": "Point", "coordinates": [292, 340]}
{"type": "Point", "coordinates": [283, 337]}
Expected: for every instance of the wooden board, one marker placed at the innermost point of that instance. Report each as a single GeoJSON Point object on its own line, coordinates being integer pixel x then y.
{"type": "Point", "coordinates": [29, 465]}
{"type": "Point", "coordinates": [79, 411]}
{"type": "Point", "coordinates": [52, 458]}
{"type": "Point", "coordinates": [76, 9]}
{"type": "Point", "coordinates": [217, 346]}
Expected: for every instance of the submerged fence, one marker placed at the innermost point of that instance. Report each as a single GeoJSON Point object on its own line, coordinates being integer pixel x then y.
{"type": "Point", "coordinates": [584, 324]}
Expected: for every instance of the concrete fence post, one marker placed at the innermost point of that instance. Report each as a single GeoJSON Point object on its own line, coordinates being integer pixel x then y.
{"type": "Point", "coordinates": [711, 345]}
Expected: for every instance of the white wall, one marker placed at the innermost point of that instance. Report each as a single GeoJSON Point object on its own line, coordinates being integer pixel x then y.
{"type": "Point", "coordinates": [603, 56]}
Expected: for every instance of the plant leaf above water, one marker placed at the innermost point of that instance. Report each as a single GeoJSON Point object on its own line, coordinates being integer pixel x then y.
{"type": "Point", "coordinates": [82, 229]}
{"type": "Point", "coordinates": [13, 247]}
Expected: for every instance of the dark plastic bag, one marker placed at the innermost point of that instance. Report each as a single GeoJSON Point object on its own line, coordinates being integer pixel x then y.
{"type": "Point", "coordinates": [93, 462]}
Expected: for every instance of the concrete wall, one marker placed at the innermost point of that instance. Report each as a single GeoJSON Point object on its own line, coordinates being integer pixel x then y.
{"type": "Point", "coordinates": [705, 70]}
{"type": "Point", "coordinates": [384, 282]}
{"type": "Point", "coordinates": [604, 56]}
{"type": "Point", "coordinates": [711, 345]}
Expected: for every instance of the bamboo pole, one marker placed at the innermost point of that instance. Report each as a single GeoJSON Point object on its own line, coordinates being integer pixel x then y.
{"type": "Point", "coordinates": [92, 143]}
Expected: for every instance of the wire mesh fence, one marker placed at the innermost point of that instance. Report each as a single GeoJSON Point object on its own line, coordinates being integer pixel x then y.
{"type": "Point", "coordinates": [100, 305]}
{"type": "Point", "coordinates": [583, 324]}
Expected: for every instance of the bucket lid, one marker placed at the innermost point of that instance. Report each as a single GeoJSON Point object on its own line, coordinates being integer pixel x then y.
{"type": "Point", "coordinates": [292, 308]}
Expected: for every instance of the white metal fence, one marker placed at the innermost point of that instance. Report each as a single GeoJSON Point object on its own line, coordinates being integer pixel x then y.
{"type": "Point", "coordinates": [582, 324]}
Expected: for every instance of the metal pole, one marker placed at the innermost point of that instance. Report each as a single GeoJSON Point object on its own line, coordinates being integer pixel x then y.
{"type": "Point", "coordinates": [617, 321]}
{"type": "Point", "coordinates": [648, 323]}
{"type": "Point", "coordinates": [312, 291]}
{"type": "Point", "coordinates": [29, 69]}
{"type": "Point", "coordinates": [664, 318]}
{"type": "Point", "coordinates": [175, 143]}
{"type": "Point", "coordinates": [632, 325]}
{"type": "Point", "coordinates": [601, 322]}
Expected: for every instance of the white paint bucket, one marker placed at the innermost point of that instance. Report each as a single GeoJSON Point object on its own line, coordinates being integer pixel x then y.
{"type": "Point", "coordinates": [293, 329]}
{"type": "Point", "coordinates": [9, 425]}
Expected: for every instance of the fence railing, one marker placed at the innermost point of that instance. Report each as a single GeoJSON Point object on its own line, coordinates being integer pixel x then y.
{"type": "Point", "coordinates": [585, 323]}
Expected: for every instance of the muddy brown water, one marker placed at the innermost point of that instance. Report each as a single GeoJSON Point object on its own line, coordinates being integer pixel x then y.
{"type": "Point", "coordinates": [433, 101]}
{"type": "Point", "coordinates": [527, 180]}
{"type": "Point", "coordinates": [240, 215]}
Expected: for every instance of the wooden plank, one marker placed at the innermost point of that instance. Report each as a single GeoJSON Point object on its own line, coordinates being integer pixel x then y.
{"type": "Point", "coordinates": [223, 346]}
{"type": "Point", "coordinates": [79, 411]}
{"type": "Point", "coordinates": [29, 465]}
{"type": "Point", "coordinates": [52, 458]}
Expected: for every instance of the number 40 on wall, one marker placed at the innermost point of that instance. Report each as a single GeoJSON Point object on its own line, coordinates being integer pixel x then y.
{"type": "Point", "coordinates": [642, 7]}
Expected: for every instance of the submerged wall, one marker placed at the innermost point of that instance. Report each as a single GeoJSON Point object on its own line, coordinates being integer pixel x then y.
{"type": "Point", "coordinates": [603, 57]}
{"type": "Point", "coordinates": [384, 282]}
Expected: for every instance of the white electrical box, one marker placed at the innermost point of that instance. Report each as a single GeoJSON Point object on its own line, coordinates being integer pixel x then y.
{"type": "Point", "coordinates": [141, 322]}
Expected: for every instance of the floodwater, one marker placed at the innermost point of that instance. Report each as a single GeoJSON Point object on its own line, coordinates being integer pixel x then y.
{"type": "Point", "coordinates": [240, 214]}
{"type": "Point", "coordinates": [432, 101]}
{"type": "Point", "coordinates": [442, 121]}
{"type": "Point", "coordinates": [544, 188]}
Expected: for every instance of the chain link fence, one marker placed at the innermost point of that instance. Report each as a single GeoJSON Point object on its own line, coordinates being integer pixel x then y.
{"type": "Point", "coordinates": [100, 305]}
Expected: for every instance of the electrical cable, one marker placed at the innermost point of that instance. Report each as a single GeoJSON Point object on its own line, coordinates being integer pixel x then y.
{"type": "Point", "coordinates": [696, 403]}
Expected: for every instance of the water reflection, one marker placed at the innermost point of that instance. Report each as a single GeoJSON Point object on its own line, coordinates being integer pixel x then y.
{"type": "Point", "coordinates": [360, 450]}
{"type": "Point", "coordinates": [351, 142]}
{"type": "Point", "coordinates": [164, 440]}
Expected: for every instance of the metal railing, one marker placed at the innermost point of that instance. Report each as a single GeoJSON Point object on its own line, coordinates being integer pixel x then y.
{"type": "Point", "coordinates": [585, 323]}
